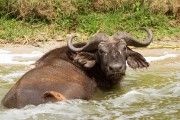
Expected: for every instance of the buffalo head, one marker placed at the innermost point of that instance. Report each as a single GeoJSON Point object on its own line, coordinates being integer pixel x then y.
{"type": "Point", "coordinates": [110, 53]}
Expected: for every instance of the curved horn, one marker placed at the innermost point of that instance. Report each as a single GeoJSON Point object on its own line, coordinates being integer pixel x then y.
{"type": "Point", "coordinates": [91, 45]}
{"type": "Point", "coordinates": [130, 41]}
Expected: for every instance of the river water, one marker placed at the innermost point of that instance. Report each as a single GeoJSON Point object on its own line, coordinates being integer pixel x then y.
{"type": "Point", "coordinates": [152, 93]}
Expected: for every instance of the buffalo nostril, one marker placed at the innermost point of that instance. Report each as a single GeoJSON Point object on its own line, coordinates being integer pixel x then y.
{"type": "Point", "coordinates": [115, 67]}
{"type": "Point", "coordinates": [110, 68]}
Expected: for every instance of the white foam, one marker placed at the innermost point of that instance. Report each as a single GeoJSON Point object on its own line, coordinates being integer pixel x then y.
{"type": "Point", "coordinates": [150, 59]}
{"type": "Point", "coordinates": [4, 51]}
{"type": "Point", "coordinates": [129, 98]}
{"type": "Point", "coordinates": [10, 77]}
{"type": "Point", "coordinates": [53, 109]}
{"type": "Point", "coordinates": [7, 58]}
{"type": "Point", "coordinates": [145, 95]}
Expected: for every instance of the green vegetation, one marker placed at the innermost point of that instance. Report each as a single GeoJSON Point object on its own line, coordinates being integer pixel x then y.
{"type": "Point", "coordinates": [14, 31]}
{"type": "Point", "coordinates": [42, 20]}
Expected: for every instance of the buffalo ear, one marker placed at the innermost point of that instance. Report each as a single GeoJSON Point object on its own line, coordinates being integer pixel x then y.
{"type": "Point", "coordinates": [52, 96]}
{"type": "Point", "coordinates": [136, 60]}
{"type": "Point", "coordinates": [86, 59]}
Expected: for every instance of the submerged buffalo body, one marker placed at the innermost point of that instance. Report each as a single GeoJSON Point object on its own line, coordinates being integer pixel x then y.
{"type": "Point", "coordinates": [75, 71]}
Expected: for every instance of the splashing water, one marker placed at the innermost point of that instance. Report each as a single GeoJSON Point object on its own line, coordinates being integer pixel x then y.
{"type": "Point", "coordinates": [153, 93]}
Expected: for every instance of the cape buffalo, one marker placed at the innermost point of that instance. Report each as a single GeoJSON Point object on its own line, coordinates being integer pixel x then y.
{"type": "Point", "coordinates": [75, 71]}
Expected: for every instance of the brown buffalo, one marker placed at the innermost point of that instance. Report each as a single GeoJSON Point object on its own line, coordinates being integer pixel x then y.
{"type": "Point", "coordinates": [75, 71]}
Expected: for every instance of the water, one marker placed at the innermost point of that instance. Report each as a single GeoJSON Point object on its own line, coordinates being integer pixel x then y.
{"type": "Point", "coordinates": [152, 93]}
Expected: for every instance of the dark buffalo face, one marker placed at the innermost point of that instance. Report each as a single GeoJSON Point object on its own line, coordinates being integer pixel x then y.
{"type": "Point", "coordinates": [112, 59]}
{"type": "Point", "coordinates": [112, 56]}
{"type": "Point", "coordinates": [112, 53]}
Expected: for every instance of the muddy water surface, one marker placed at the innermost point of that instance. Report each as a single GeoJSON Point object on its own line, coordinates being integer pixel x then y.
{"type": "Point", "coordinates": [152, 93]}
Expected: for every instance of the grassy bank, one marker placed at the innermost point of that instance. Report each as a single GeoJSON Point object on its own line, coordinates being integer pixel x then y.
{"type": "Point", "coordinates": [85, 18]}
